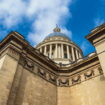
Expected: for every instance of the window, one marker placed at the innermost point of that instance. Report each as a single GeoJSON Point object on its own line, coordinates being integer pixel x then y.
{"type": "Point", "coordinates": [65, 55]}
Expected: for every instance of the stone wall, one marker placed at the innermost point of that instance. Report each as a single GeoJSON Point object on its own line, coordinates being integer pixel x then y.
{"type": "Point", "coordinates": [20, 86]}
{"type": "Point", "coordinates": [8, 67]}
{"type": "Point", "coordinates": [34, 90]}
{"type": "Point", "coordinates": [89, 92]}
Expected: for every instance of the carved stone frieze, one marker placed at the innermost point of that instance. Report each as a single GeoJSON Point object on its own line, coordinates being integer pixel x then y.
{"type": "Point", "coordinates": [29, 65]}
{"type": "Point", "coordinates": [47, 75]}
{"type": "Point", "coordinates": [26, 63]}
{"type": "Point", "coordinates": [41, 72]}
{"type": "Point", "coordinates": [13, 53]}
{"type": "Point", "coordinates": [89, 74]}
{"type": "Point", "coordinates": [63, 82]}
{"type": "Point", "coordinates": [22, 61]}
{"type": "Point", "coordinates": [52, 78]}
{"type": "Point", "coordinates": [57, 79]}
{"type": "Point", "coordinates": [76, 79]}
{"type": "Point", "coordinates": [100, 70]}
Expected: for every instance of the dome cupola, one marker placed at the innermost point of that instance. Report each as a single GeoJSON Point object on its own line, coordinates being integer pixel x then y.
{"type": "Point", "coordinates": [57, 29]}
{"type": "Point", "coordinates": [58, 47]}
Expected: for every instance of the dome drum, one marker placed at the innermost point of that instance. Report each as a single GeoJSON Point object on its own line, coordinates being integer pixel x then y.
{"type": "Point", "coordinates": [60, 52]}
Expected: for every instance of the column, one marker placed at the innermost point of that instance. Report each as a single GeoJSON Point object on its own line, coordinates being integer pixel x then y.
{"type": "Point", "coordinates": [68, 53]}
{"type": "Point", "coordinates": [45, 50]}
{"type": "Point", "coordinates": [73, 56]}
{"type": "Point", "coordinates": [56, 51]}
{"type": "Point", "coordinates": [77, 54]}
{"type": "Point", "coordinates": [41, 49]}
{"type": "Point", "coordinates": [50, 53]}
{"type": "Point", "coordinates": [62, 51]}
{"type": "Point", "coordinates": [59, 51]}
{"type": "Point", "coordinates": [80, 56]}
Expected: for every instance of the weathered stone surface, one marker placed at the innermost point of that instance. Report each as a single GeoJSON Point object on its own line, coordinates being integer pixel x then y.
{"type": "Point", "coordinates": [34, 90]}
{"type": "Point", "coordinates": [7, 72]}
{"type": "Point", "coordinates": [90, 92]}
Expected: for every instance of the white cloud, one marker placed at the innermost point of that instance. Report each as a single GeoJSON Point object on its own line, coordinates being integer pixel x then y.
{"type": "Point", "coordinates": [84, 46]}
{"type": "Point", "coordinates": [98, 21]}
{"type": "Point", "coordinates": [45, 14]}
{"type": "Point", "coordinates": [49, 14]}
{"type": "Point", "coordinates": [11, 12]}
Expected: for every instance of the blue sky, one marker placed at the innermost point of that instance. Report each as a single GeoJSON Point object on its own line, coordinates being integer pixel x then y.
{"type": "Point", "coordinates": [35, 19]}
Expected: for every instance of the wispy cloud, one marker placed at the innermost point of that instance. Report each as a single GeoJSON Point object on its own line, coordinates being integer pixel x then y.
{"type": "Point", "coordinates": [11, 12]}
{"type": "Point", "coordinates": [44, 13]}
{"type": "Point", "coordinates": [100, 14]}
{"type": "Point", "coordinates": [50, 13]}
{"type": "Point", "coordinates": [84, 46]}
{"type": "Point", "coordinates": [98, 21]}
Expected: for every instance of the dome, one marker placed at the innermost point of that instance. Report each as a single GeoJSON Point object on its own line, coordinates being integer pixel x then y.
{"type": "Point", "coordinates": [57, 34]}
{"type": "Point", "coordinates": [60, 48]}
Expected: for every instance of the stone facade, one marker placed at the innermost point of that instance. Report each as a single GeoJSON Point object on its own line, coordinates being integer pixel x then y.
{"type": "Point", "coordinates": [28, 77]}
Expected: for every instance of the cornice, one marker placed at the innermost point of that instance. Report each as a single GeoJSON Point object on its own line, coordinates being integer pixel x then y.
{"type": "Point", "coordinates": [76, 64]}
{"type": "Point", "coordinates": [97, 32]}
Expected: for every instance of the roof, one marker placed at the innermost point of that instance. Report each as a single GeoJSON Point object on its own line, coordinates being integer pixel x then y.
{"type": "Point", "coordinates": [57, 34]}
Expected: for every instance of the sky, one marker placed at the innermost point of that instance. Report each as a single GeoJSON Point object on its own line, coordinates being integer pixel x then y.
{"type": "Point", "coordinates": [35, 19]}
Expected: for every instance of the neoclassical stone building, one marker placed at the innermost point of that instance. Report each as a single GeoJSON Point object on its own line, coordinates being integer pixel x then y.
{"type": "Point", "coordinates": [55, 72]}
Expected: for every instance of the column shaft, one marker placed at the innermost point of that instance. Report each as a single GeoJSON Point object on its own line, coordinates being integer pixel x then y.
{"type": "Point", "coordinates": [41, 49]}
{"type": "Point", "coordinates": [77, 54]}
{"type": "Point", "coordinates": [68, 53]}
{"type": "Point", "coordinates": [73, 56]}
{"type": "Point", "coordinates": [62, 51]}
{"type": "Point", "coordinates": [45, 50]}
{"type": "Point", "coordinates": [80, 56]}
{"type": "Point", "coordinates": [50, 53]}
{"type": "Point", "coordinates": [56, 51]}
{"type": "Point", "coordinates": [59, 51]}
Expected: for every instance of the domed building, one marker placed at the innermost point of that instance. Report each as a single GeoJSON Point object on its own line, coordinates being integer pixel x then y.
{"type": "Point", "coordinates": [55, 72]}
{"type": "Point", "coordinates": [59, 47]}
